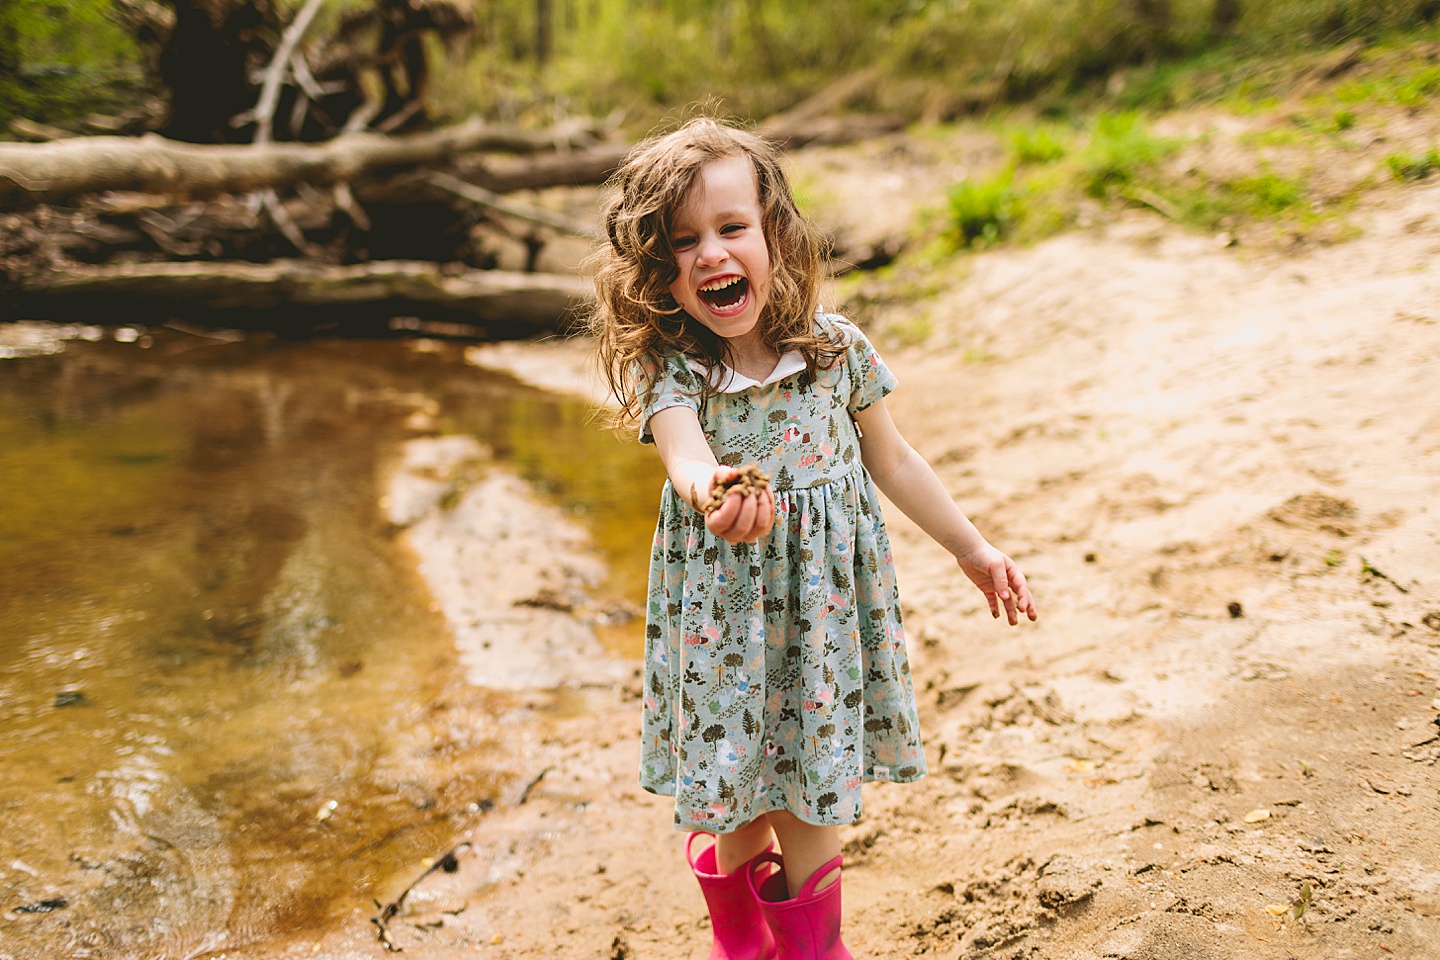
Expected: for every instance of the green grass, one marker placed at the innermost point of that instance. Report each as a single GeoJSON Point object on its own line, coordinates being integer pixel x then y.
{"type": "Point", "coordinates": [1121, 153]}
{"type": "Point", "coordinates": [1406, 167]}
{"type": "Point", "coordinates": [1049, 173]}
{"type": "Point", "coordinates": [981, 213]}
{"type": "Point", "coordinates": [1221, 203]}
{"type": "Point", "coordinates": [1036, 145]}
{"type": "Point", "coordinates": [1412, 88]}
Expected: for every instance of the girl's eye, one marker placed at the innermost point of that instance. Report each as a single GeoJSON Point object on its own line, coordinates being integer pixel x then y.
{"type": "Point", "coordinates": [682, 243]}
{"type": "Point", "coordinates": [731, 228]}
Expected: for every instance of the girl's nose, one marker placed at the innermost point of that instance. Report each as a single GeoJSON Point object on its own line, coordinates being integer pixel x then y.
{"type": "Point", "coordinates": [711, 253]}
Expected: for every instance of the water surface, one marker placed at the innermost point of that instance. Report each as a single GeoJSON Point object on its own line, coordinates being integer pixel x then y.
{"type": "Point", "coordinates": [220, 676]}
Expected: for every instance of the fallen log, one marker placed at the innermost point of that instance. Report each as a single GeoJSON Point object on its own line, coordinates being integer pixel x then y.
{"type": "Point", "coordinates": [150, 164]}
{"type": "Point", "coordinates": [509, 300]}
{"type": "Point", "coordinates": [575, 168]}
{"type": "Point", "coordinates": [829, 100]}
{"type": "Point", "coordinates": [830, 131]}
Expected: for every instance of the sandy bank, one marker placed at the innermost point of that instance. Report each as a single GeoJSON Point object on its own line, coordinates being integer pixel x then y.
{"type": "Point", "coordinates": [1219, 470]}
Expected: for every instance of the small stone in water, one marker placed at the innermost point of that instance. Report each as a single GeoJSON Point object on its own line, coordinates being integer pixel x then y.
{"type": "Point", "coordinates": [69, 698]}
{"type": "Point", "coordinates": [328, 810]}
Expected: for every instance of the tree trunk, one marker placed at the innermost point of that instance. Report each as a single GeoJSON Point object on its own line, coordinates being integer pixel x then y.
{"type": "Point", "coordinates": [543, 27]}
{"type": "Point", "coordinates": [1224, 16]}
{"type": "Point", "coordinates": [65, 168]}
{"type": "Point", "coordinates": [1155, 20]}
{"type": "Point", "coordinates": [206, 63]}
{"type": "Point", "coordinates": [513, 301]}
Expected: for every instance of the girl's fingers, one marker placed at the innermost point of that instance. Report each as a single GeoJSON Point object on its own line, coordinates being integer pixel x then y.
{"type": "Point", "coordinates": [1026, 600]}
{"type": "Point", "coordinates": [722, 519]}
{"type": "Point", "coordinates": [766, 513]}
{"type": "Point", "coordinates": [745, 521]}
{"type": "Point", "coordinates": [744, 515]}
{"type": "Point", "coordinates": [734, 520]}
{"type": "Point", "coordinates": [998, 577]}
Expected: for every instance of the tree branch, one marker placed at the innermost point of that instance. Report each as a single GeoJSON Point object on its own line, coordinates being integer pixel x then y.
{"type": "Point", "coordinates": [151, 164]}
{"type": "Point", "coordinates": [514, 208]}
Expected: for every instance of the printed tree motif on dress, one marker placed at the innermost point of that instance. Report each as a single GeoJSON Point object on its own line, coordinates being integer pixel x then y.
{"type": "Point", "coordinates": [775, 706]}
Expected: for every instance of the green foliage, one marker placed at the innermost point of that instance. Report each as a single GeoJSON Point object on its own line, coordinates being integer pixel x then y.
{"type": "Point", "coordinates": [1035, 145]}
{"type": "Point", "coordinates": [1224, 202]}
{"type": "Point", "coordinates": [61, 58]}
{"type": "Point", "coordinates": [1329, 122]}
{"type": "Point", "coordinates": [951, 57]}
{"type": "Point", "coordinates": [982, 213]}
{"type": "Point", "coordinates": [1406, 167]}
{"type": "Point", "coordinates": [1121, 151]}
{"type": "Point", "coordinates": [1406, 88]}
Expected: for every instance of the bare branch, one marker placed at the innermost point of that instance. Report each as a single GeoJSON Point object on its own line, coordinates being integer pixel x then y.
{"type": "Point", "coordinates": [513, 208]}
{"type": "Point", "coordinates": [275, 73]}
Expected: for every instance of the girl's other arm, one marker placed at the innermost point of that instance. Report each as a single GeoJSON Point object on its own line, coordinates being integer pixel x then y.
{"type": "Point", "coordinates": [695, 474]}
{"type": "Point", "coordinates": [910, 483]}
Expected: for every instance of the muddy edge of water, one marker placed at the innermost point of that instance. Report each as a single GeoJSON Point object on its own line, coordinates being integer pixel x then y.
{"type": "Point", "coordinates": [232, 706]}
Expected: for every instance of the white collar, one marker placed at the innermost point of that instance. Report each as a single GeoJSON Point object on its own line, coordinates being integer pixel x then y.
{"type": "Point", "coordinates": [726, 380]}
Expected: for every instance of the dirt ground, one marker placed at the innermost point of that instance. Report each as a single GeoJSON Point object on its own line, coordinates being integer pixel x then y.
{"type": "Point", "coordinates": [1220, 469]}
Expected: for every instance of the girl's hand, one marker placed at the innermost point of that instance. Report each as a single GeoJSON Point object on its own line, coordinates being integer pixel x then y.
{"type": "Point", "coordinates": [1001, 581]}
{"type": "Point", "coordinates": [743, 516]}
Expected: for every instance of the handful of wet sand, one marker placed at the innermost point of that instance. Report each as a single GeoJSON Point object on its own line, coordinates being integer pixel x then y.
{"type": "Point", "coordinates": [749, 479]}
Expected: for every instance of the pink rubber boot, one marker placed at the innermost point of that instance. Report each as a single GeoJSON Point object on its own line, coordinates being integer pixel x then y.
{"type": "Point", "coordinates": [808, 927]}
{"type": "Point", "coordinates": [735, 922]}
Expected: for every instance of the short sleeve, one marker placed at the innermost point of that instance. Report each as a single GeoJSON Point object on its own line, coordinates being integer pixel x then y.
{"type": "Point", "coordinates": [676, 386]}
{"type": "Point", "coordinates": [870, 379]}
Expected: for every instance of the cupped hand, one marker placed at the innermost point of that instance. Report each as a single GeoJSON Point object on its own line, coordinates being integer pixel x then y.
{"type": "Point", "coordinates": [743, 516]}
{"type": "Point", "coordinates": [1001, 581]}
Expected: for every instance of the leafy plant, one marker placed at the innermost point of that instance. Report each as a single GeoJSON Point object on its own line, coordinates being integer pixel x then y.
{"type": "Point", "coordinates": [1035, 145]}
{"type": "Point", "coordinates": [982, 213]}
{"type": "Point", "coordinates": [1406, 167]}
{"type": "Point", "coordinates": [1121, 151]}
{"type": "Point", "coordinates": [61, 60]}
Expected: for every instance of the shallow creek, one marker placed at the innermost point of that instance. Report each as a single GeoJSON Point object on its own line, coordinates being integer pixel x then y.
{"type": "Point", "coordinates": [221, 679]}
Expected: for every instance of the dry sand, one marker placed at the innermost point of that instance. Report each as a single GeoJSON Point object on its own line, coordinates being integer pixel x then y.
{"type": "Point", "coordinates": [1220, 469]}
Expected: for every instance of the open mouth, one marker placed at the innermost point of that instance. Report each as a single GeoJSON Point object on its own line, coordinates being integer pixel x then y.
{"type": "Point", "coordinates": [725, 293]}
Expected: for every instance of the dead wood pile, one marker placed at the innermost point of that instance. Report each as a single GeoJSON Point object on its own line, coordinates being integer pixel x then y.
{"type": "Point", "coordinates": [336, 200]}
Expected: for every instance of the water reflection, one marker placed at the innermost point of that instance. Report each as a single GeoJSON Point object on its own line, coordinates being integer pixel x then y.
{"type": "Point", "coordinates": [208, 634]}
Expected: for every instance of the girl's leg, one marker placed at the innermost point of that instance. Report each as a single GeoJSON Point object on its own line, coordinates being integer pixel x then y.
{"type": "Point", "coordinates": [738, 929]}
{"type": "Point", "coordinates": [802, 908]}
{"type": "Point", "coordinates": [738, 847]}
{"type": "Point", "coordinates": [806, 848]}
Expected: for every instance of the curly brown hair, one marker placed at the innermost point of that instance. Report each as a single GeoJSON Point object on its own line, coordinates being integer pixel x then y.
{"type": "Point", "coordinates": [637, 323]}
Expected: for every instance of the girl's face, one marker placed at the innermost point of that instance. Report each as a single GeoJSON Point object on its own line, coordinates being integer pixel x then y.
{"type": "Point", "coordinates": [720, 250]}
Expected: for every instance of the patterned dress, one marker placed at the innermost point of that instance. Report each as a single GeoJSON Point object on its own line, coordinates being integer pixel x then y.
{"type": "Point", "coordinates": [776, 671]}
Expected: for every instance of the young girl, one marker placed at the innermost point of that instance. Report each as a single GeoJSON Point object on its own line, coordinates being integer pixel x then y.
{"type": "Point", "coordinates": [776, 673]}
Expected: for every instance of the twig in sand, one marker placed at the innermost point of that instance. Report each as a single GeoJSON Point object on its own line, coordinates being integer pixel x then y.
{"type": "Point", "coordinates": [449, 862]}
{"type": "Point", "coordinates": [534, 782]}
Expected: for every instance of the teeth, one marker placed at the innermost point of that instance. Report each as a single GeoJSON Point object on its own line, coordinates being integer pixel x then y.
{"type": "Point", "coordinates": [721, 284]}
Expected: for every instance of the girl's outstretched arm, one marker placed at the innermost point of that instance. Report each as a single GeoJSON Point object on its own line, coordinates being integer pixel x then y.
{"type": "Point", "coordinates": [910, 483]}
{"type": "Point", "coordinates": [695, 474]}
